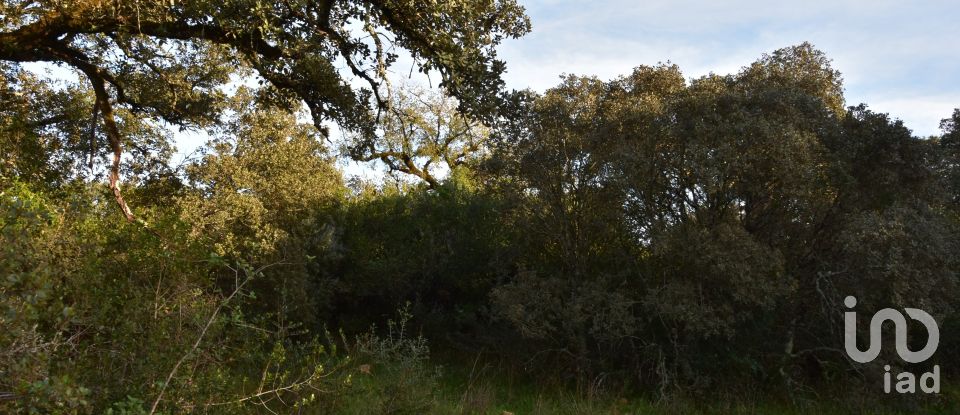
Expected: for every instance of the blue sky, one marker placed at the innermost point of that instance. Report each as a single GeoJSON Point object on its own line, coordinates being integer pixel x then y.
{"type": "Point", "coordinates": [898, 57]}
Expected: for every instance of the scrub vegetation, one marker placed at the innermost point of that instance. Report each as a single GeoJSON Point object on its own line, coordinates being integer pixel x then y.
{"type": "Point", "coordinates": [647, 244]}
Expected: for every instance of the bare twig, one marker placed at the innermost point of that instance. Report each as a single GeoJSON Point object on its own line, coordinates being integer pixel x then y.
{"type": "Point", "coordinates": [238, 287]}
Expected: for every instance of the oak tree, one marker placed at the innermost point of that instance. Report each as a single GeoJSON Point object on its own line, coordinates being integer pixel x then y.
{"type": "Point", "coordinates": [171, 60]}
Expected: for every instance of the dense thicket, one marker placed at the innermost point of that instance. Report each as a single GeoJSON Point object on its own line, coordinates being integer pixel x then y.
{"type": "Point", "coordinates": [663, 234]}
{"type": "Point", "coordinates": [684, 232]}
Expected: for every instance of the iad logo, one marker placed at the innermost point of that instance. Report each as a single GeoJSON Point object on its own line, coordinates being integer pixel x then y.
{"type": "Point", "coordinates": [906, 381]}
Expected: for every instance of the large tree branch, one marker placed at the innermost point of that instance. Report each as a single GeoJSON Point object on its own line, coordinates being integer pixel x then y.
{"type": "Point", "coordinates": [48, 39]}
{"type": "Point", "coordinates": [407, 164]}
{"type": "Point", "coordinates": [98, 81]}
{"type": "Point", "coordinates": [22, 43]}
{"type": "Point", "coordinates": [113, 135]}
{"type": "Point", "coordinates": [346, 50]}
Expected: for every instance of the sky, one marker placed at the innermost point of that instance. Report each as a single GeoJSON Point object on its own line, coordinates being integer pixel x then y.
{"type": "Point", "coordinates": [898, 57]}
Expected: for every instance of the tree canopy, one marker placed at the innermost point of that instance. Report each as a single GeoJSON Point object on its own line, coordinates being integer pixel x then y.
{"type": "Point", "coordinates": [650, 235]}
{"type": "Point", "coordinates": [170, 60]}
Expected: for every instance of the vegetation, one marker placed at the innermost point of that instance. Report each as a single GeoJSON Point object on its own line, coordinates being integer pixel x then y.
{"type": "Point", "coordinates": [647, 244]}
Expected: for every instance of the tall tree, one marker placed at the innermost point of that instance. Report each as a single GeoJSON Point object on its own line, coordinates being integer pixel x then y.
{"type": "Point", "coordinates": [169, 60]}
{"type": "Point", "coordinates": [697, 217]}
{"type": "Point", "coordinates": [263, 194]}
{"type": "Point", "coordinates": [423, 131]}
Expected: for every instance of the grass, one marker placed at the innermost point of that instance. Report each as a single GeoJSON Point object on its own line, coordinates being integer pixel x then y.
{"type": "Point", "coordinates": [485, 389]}
{"type": "Point", "coordinates": [396, 374]}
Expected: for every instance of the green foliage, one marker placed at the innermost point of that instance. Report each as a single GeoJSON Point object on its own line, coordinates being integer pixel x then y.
{"type": "Point", "coordinates": [440, 249]}
{"type": "Point", "coordinates": [94, 314]}
{"type": "Point", "coordinates": [33, 313]}
{"type": "Point", "coordinates": [169, 60]}
{"type": "Point", "coordinates": [950, 149]}
{"type": "Point", "coordinates": [266, 177]}
{"type": "Point", "coordinates": [423, 131]}
{"type": "Point", "coordinates": [406, 381]}
{"type": "Point", "coordinates": [645, 236]}
{"type": "Point", "coordinates": [263, 194]}
{"type": "Point", "coordinates": [685, 230]}
{"type": "Point", "coordinates": [130, 406]}
{"type": "Point", "coordinates": [44, 130]}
